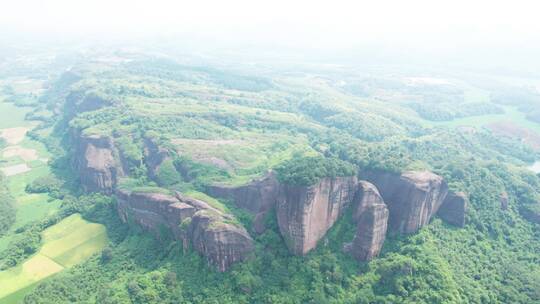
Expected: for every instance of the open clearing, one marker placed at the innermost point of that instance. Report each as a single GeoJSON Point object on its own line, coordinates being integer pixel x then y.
{"type": "Point", "coordinates": [12, 116]}
{"type": "Point", "coordinates": [14, 136]}
{"type": "Point", "coordinates": [73, 240]}
{"type": "Point", "coordinates": [24, 153]}
{"type": "Point", "coordinates": [16, 169]}
{"type": "Point", "coordinates": [512, 130]}
{"type": "Point", "coordinates": [65, 244]}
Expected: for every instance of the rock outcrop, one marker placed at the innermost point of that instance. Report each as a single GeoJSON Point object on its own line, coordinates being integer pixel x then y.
{"type": "Point", "coordinates": [257, 197]}
{"type": "Point", "coordinates": [305, 213]}
{"type": "Point", "coordinates": [96, 162]}
{"type": "Point", "coordinates": [212, 233]}
{"type": "Point", "coordinates": [503, 200]}
{"type": "Point", "coordinates": [371, 215]}
{"type": "Point", "coordinates": [412, 197]}
{"type": "Point", "coordinates": [454, 208]}
{"type": "Point", "coordinates": [220, 242]}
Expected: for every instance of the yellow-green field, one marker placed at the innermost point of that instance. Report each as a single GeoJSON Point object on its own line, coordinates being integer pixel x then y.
{"type": "Point", "coordinates": [65, 244]}
{"type": "Point", "coordinates": [29, 207]}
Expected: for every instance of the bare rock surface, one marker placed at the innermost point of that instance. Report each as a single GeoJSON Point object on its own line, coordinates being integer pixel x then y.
{"type": "Point", "coordinates": [215, 235]}
{"type": "Point", "coordinates": [305, 213]}
{"type": "Point", "coordinates": [257, 197]}
{"type": "Point", "coordinates": [221, 242]}
{"type": "Point", "coordinates": [96, 163]}
{"type": "Point", "coordinates": [371, 215]}
{"type": "Point", "coordinates": [454, 208]}
{"type": "Point", "coordinates": [412, 197]}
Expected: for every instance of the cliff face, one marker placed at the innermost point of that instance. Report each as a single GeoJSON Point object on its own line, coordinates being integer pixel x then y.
{"type": "Point", "coordinates": [96, 163]}
{"type": "Point", "coordinates": [209, 231]}
{"type": "Point", "coordinates": [257, 197]}
{"type": "Point", "coordinates": [222, 243]}
{"type": "Point", "coordinates": [454, 208]}
{"type": "Point", "coordinates": [371, 216]}
{"type": "Point", "coordinates": [153, 211]}
{"type": "Point", "coordinates": [412, 197]}
{"type": "Point", "coordinates": [305, 214]}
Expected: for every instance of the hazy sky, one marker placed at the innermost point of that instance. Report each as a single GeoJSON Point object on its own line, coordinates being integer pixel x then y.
{"type": "Point", "coordinates": [290, 22]}
{"type": "Point", "coordinates": [480, 29]}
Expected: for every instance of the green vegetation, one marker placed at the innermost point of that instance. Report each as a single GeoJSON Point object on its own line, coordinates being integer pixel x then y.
{"type": "Point", "coordinates": [167, 175]}
{"type": "Point", "coordinates": [65, 244]}
{"type": "Point", "coordinates": [218, 126]}
{"type": "Point", "coordinates": [306, 171]}
{"type": "Point", "coordinates": [7, 207]}
{"type": "Point", "coordinates": [15, 117]}
{"type": "Point", "coordinates": [44, 184]}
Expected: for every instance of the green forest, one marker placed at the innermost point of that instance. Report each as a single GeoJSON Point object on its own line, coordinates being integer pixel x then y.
{"type": "Point", "coordinates": [225, 126]}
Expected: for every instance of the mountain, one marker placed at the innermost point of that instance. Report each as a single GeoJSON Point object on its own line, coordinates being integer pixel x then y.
{"type": "Point", "coordinates": [308, 184]}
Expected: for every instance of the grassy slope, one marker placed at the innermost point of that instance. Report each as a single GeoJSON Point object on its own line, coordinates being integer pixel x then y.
{"type": "Point", "coordinates": [77, 239]}
{"type": "Point", "coordinates": [65, 244]}
{"type": "Point", "coordinates": [30, 207]}
{"type": "Point", "coordinates": [12, 116]}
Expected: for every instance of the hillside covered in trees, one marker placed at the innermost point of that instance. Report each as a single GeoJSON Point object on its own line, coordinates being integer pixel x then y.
{"type": "Point", "coordinates": [150, 126]}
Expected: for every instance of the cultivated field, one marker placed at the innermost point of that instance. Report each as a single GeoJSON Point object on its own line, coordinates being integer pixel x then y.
{"type": "Point", "coordinates": [65, 244]}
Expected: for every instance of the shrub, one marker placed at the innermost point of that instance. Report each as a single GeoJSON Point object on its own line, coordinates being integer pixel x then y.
{"type": "Point", "coordinates": [306, 171]}
{"type": "Point", "coordinates": [44, 184]}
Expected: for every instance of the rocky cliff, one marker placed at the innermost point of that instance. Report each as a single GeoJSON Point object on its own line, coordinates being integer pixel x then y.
{"type": "Point", "coordinates": [454, 208]}
{"type": "Point", "coordinates": [96, 163]}
{"type": "Point", "coordinates": [212, 233]}
{"type": "Point", "coordinates": [371, 215]}
{"type": "Point", "coordinates": [412, 197]}
{"type": "Point", "coordinates": [222, 243]}
{"type": "Point", "coordinates": [257, 197]}
{"type": "Point", "coordinates": [305, 213]}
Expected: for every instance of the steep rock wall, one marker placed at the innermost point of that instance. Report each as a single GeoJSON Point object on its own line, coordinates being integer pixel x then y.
{"type": "Point", "coordinates": [257, 197]}
{"type": "Point", "coordinates": [222, 243]}
{"type": "Point", "coordinates": [454, 208]}
{"type": "Point", "coordinates": [96, 163]}
{"type": "Point", "coordinates": [305, 214]}
{"type": "Point", "coordinates": [412, 197]}
{"type": "Point", "coordinates": [209, 231]}
{"type": "Point", "coordinates": [371, 215]}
